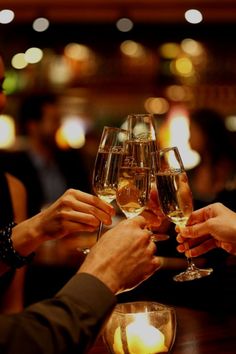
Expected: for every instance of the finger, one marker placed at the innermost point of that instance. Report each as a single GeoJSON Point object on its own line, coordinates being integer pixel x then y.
{"type": "Point", "coordinates": [195, 231]}
{"type": "Point", "coordinates": [95, 201]}
{"type": "Point", "coordinates": [151, 218]}
{"type": "Point", "coordinates": [152, 247]}
{"type": "Point", "coordinates": [227, 246]}
{"type": "Point", "coordinates": [201, 215]}
{"type": "Point", "coordinates": [89, 209]}
{"type": "Point", "coordinates": [180, 239]}
{"type": "Point", "coordinates": [181, 248]}
{"type": "Point", "coordinates": [201, 249]}
{"type": "Point", "coordinates": [140, 220]}
{"type": "Point", "coordinates": [78, 217]}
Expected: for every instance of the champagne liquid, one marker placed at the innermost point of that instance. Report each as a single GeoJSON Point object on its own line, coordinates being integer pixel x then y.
{"type": "Point", "coordinates": [175, 196]}
{"type": "Point", "coordinates": [105, 175]}
{"type": "Point", "coordinates": [133, 190]}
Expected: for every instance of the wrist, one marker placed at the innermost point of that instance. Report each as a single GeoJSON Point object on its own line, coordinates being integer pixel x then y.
{"type": "Point", "coordinates": [27, 236]}
{"type": "Point", "coordinates": [8, 254]}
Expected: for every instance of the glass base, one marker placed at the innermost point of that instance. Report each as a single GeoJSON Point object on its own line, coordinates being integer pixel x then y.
{"type": "Point", "coordinates": [159, 237]}
{"type": "Point", "coordinates": [85, 251]}
{"type": "Point", "coordinates": [192, 273]}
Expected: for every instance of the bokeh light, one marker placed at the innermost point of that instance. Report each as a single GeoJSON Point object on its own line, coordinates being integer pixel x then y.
{"type": "Point", "coordinates": [124, 24]}
{"type": "Point", "coordinates": [6, 16]}
{"type": "Point", "coordinates": [40, 24]}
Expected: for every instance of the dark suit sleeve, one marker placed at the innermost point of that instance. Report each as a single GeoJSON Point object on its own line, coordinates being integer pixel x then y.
{"type": "Point", "coordinates": [68, 323]}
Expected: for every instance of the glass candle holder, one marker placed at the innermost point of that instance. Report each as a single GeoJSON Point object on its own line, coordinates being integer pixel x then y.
{"type": "Point", "coordinates": [140, 327]}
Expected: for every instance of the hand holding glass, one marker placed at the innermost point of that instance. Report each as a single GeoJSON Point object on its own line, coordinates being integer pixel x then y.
{"type": "Point", "coordinates": [175, 199]}
{"type": "Point", "coordinates": [105, 170]}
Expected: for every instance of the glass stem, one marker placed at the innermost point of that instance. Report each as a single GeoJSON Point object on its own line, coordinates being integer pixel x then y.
{"type": "Point", "coordinates": [99, 231]}
{"type": "Point", "coordinates": [190, 262]}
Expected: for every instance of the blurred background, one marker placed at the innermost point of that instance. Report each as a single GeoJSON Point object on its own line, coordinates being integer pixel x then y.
{"type": "Point", "coordinates": [105, 59]}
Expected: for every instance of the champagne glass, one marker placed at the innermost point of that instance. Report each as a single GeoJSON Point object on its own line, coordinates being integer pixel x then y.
{"type": "Point", "coordinates": [141, 127]}
{"type": "Point", "coordinates": [105, 178]}
{"type": "Point", "coordinates": [134, 178]}
{"type": "Point", "coordinates": [105, 172]}
{"type": "Point", "coordinates": [175, 199]}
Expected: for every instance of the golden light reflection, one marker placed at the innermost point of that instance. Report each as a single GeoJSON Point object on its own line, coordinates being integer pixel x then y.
{"type": "Point", "coordinates": [183, 66]}
{"type": "Point", "coordinates": [77, 51]}
{"type": "Point", "coordinates": [132, 49]}
{"type": "Point", "coordinates": [60, 71]}
{"type": "Point", "coordinates": [175, 132]}
{"type": "Point", "coordinates": [179, 93]}
{"type": "Point", "coordinates": [71, 133]}
{"type": "Point", "coordinates": [7, 131]}
{"type": "Point", "coordinates": [156, 105]}
{"type": "Point", "coordinates": [170, 50]}
{"type": "Point", "coordinates": [230, 123]}
{"type": "Point", "coordinates": [191, 47]}
{"type": "Point", "coordinates": [82, 60]}
{"type": "Point", "coordinates": [18, 61]}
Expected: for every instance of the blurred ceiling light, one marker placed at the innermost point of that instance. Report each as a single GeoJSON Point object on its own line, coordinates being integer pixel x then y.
{"type": "Point", "coordinates": [18, 61]}
{"type": "Point", "coordinates": [193, 16]}
{"type": "Point", "coordinates": [230, 123]}
{"type": "Point", "coordinates": [59, 70]}
{"type": "Point", "coordinates": [6, 16]}
{"type": "Point", "coordinates": [169, 50]}
{"type": "Point", "coordinates": [124, 24]}
{"type": "Point", "coordinates": [40, 24]}
{"type": "Point", "coordinates": [77, 51]}
{"type": "Point", "coordinates": [183, 66]}
{"type": "Point", "coordinates": [132, 49]}
{"type": "Point", "coordinates": [178, 93]}
{"type": "Point", "coordinates": [71, 133]}
{"type": "Point", "coordinates": [7, 131]}
{"type": "Point", "coordinates": [156, 105]}
{"type": "Point", "coordinates": [191, 47]}
{"type": "Point", "coordinates": [33, 55]}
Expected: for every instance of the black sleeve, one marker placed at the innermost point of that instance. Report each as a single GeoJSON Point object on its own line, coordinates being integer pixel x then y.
{"type": "Point", "coordinates": [68, 323]}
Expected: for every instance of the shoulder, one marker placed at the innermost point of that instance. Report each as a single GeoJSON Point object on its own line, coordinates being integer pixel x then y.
{"type": "Point", "coordinates": [15, 185]}
{"type": "Point", "coordinates": [18, 195]}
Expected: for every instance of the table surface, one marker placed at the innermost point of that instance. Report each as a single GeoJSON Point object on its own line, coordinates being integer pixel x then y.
{"type": "Point", "coordinates": [198, 332]}
{"type": "Point", "coordinates": [205, 308]}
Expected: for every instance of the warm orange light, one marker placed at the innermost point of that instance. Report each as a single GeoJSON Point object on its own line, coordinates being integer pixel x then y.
{"type": "Point", "coordinates": [7, 131]}
{"type": "Point", "coordinates": [71, 134]}
{"type": "Point", "coordinates": [175, 132]}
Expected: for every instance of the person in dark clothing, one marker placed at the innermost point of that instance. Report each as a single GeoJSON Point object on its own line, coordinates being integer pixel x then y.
{"type": "Point", "coordinates": [71, 321]}
{"type": "Point", "coordinates": [46, 170]}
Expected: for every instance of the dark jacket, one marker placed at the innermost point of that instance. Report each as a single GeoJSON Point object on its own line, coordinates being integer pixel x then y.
{"type": "Point", "coordinates": [68, 323]}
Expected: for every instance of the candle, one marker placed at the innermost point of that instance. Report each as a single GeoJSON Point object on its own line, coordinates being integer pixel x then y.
{"type": "Point", "coordinates": [142, 338]}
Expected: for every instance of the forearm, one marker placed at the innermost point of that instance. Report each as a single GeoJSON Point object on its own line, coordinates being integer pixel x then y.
{"type": "Point", "coordinates": [27, 236]}
{"type": "Point", "coordinates": [68, 323]}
